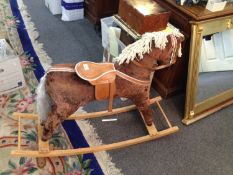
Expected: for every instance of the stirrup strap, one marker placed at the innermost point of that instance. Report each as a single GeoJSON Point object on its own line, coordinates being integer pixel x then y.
{"type": "Point", "coordinates": [111, 95]}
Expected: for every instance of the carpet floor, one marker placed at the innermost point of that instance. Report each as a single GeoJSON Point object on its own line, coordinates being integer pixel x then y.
{"type": "Point", "coordinates": [202, 148]}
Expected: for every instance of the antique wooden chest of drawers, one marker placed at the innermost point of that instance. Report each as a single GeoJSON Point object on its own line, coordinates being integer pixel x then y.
{"type": "Point", "coordinates": [97, 9]}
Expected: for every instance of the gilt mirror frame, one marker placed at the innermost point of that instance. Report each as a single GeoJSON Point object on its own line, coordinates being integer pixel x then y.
{"type": "Point", "coordinates": [196, 111]}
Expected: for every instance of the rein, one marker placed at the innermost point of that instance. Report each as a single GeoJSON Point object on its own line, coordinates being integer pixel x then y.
{"type": "Point", "coordinates": [172, 60]}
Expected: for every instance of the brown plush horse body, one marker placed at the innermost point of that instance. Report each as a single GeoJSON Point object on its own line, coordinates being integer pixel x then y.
{"type": "Point", "coordinates": [66, 91]}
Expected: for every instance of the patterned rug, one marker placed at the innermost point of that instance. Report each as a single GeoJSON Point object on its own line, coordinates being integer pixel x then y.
{"type": "Point", "coordinates": [16, 25]}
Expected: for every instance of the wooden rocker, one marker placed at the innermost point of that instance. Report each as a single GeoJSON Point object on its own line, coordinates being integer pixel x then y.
{"type": "Point", "coordinates": [44, 150]}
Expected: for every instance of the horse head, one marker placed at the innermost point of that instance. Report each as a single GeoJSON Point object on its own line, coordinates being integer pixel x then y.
{"type": "Point", "coordinates": [167, 56]}
{"type": "Point", "coordinates": [153, 51]}
{"type": "Point", "coordinates": [172, 50]}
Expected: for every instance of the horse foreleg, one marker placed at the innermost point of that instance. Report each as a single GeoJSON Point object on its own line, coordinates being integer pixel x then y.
{"type": "Point", "coordinates": [147, 113]}
{"type": "Point", "coordinates": [143, 106]}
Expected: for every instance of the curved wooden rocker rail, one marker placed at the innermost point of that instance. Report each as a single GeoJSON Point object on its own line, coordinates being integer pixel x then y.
{"type": "Point", "coordinates": [44, 151]}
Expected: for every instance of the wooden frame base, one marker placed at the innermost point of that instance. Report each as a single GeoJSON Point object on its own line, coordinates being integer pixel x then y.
{"type": "Point", "coordinates": [206, 113]}
{"type": "Point", "coordinates": [44, 151]}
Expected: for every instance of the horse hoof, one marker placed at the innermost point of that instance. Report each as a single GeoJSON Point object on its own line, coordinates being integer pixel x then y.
{"type": "Point", "coordinates": [149, 123]}
{"type": "Point", "coordinates": [44, 139]}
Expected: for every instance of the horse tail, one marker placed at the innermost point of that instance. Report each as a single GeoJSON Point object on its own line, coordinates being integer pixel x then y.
{"type": "Point", "coordinates": [43, 100]}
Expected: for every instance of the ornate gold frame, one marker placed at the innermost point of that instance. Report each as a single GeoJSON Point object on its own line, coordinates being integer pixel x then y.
{"type": "Point", "coordinates": [195, 112]}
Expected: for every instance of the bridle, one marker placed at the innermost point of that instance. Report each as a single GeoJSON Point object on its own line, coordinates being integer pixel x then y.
{"type": "Point", "coordinates": [172, 60]}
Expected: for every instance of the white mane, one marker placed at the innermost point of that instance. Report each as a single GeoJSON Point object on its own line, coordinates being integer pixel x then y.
{"type": "Point", "coordinates": [143, 46]}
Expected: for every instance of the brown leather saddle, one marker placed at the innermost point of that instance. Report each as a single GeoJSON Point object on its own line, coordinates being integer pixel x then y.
{"type": "Point", "coordinates": [102, 76]}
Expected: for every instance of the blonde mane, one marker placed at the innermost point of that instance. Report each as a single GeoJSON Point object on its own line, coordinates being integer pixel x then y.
{"type": "Point", "coordinates": [144, 45]}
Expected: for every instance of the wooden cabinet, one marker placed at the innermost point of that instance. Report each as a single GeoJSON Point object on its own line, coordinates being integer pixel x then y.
{"type": "Point", "coordinates": [173, 79]}
{"type": "Point", "coordinates": [97, 9]}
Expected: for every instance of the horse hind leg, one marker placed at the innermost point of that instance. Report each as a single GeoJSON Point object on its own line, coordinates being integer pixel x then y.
{"type": "Point", "coordinates": [50, 124]}
{"type": "Point", "coordinates": [56, 116]}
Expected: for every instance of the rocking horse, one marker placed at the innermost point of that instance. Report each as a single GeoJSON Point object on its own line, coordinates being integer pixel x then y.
{"type": "Point", "coordinates": [66, 87]}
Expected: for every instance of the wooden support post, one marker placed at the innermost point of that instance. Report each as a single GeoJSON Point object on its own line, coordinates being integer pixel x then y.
{"type": "Point", "coordinates": [111, 94]}
{"type": "Point", "coordinates": [164, 115]}
{"type": "Point", "coordinates": [43, 146]}
{"type": "Point", "coordinates": [151, 129]}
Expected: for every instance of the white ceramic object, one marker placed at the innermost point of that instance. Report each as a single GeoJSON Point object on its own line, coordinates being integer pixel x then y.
{"type": "Point", "coordinates": [215, 5]}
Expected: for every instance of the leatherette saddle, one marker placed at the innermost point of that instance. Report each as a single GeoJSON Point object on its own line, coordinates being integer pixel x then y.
{"type": "Point", "coordinates": [102, 76]}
